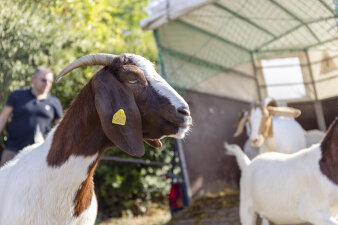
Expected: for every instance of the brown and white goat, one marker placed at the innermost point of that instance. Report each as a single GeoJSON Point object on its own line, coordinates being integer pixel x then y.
{"type": "Point", "coordinates": [272, 128]}
{"type": "Point", "coordinates": [125, 103]}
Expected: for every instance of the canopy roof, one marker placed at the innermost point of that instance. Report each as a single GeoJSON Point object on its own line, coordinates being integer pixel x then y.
{"type": "Point", "coordinates": [217, 46]}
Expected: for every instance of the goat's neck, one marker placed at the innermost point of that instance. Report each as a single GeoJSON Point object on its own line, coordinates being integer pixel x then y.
{"type": "Point", "coordinates": [79, 133]}
{"type": "Point", "coordinates": [270, 143]}
{"type": "Point", "coordinates": [78, 143]}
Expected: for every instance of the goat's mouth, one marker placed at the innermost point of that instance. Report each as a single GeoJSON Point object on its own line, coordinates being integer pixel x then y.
{"type": "Point", "coordinates": [181, 127]}
{"type": "Point", "coordinates": [185, 123]}
{"type": "Point", "coordinates": [256, 143]}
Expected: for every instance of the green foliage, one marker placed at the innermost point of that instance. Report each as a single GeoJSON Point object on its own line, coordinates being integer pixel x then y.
{"type": "Point", "coordinates": [54, 33]}
{"type": "Point", "coordinates": [25, 44]}
{"type": "Point", "coordinates": [28, 39]}
{"type": "Point", "coordinates": [127, 187]}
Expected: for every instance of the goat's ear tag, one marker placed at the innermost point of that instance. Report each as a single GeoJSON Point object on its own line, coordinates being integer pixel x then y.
{"type": "Point", "coordinates": [119, 117]}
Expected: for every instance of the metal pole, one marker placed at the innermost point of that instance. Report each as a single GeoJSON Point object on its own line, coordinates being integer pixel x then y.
{"type": "Point", "coordinates": [256, 76]}
{"type": "Point", "coordinates": [178, 147]}
{"type": "Point", "coordinates": [317, 104]}
{"type": "Point", "coordinates": [160, 59]}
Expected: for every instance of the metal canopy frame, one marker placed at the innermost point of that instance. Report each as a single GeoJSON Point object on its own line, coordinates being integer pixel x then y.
{"type": "Point", "coordinates": [268, 43]}
{"type": "Point", "coordinates": [302, 23]}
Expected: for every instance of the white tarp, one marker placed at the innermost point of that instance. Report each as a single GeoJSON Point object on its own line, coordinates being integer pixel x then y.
{"type": "Point", "coordinates": [163, 11]}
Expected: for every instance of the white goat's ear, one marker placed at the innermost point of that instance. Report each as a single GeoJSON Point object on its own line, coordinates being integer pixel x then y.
{"type": "Point", "coordinates": [119, 115]}
{"type": "Point", "coordinates": [284, 111]}
{"type": "Point", "coordinates": [241, 124]}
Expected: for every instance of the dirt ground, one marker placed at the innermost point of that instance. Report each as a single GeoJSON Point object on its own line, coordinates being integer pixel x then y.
{"type": "Point", "coordinates": [155, 217]}
{"type": "Point", "coordinates": [213, 209]}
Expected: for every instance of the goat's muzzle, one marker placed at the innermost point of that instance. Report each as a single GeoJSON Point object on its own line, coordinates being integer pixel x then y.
{"type": "Point", "coordinates": [183, 110]}
{"type": "Point", "coordinates": [257, 142]}
{"type": "Point", "coordinates": [182, 120]}
{"type": "Point", "coordinates": [181, 117]}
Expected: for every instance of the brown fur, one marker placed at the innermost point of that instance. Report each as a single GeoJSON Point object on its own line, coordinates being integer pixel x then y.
{"type": "Point", "coordinates": [329, 147]}
{"type": "Point", "coordinates": [83, 137]}
{"type": "Point", "coordinates": [84, 195]}
{"type": "Point", "coordinates": [79, 132]}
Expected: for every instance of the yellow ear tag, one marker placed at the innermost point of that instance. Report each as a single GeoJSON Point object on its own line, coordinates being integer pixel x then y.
{"type": "Point", "coordinates": [119, 117]}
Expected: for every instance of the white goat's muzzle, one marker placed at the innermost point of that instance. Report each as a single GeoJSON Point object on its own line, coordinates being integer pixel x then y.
{"type": "Point", "coordinates": [183, 130]}
{"type": "Point", "coordinates": [257, 142]}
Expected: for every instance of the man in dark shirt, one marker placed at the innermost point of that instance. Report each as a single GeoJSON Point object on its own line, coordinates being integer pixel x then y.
{"type": "Point", "coordinates": [32, 112]}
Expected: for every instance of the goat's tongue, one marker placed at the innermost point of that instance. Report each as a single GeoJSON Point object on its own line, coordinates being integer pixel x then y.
{"type": "Point", "coordinates": [156, 143]}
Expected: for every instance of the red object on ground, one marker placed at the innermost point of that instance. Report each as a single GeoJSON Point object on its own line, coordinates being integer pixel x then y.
{"type": "Point", "coordinates": [175, 196]}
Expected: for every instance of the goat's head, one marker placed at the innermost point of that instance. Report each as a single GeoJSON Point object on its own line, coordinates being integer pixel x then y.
{"type": "Point", "coordinates": [133, 102]}
{"type": "Point", "coordinates": [258, 120]}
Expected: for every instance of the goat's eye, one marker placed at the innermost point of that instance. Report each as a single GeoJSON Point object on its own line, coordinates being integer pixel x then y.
{"type": "Point", "coordinates": [132, 81]}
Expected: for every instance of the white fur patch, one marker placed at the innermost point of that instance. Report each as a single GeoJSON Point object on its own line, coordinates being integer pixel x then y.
{"type": "Point", "coordinates": [31, 192]}
{"type": "Point", "coordinates": [160, 85]}
{"type": "Point", "coordinates": [255, 121]}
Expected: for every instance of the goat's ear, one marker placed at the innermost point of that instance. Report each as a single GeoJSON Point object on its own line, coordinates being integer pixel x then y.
{"type": "Point", "coordinates": [284, 111]}
{"type": "Point", "coordinates": [241, 124]}
{"type": "Point", "coordinates": [265, 127]}
{"type": "Point", "coordinates": [119, 115]}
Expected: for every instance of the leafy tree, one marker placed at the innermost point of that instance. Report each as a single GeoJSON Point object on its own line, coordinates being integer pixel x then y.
{"type": "Point", "coordinates": [127, 188]}
{"type": "Point", "coordinates": [29, 37]}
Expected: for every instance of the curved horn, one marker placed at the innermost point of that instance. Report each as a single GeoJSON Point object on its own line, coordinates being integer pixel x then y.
{"type": "Point", "coordinates": [101, 59]}
{"type": "Point", "coordinates": [268, 101]}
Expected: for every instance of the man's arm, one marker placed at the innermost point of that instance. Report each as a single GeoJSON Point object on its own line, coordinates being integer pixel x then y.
{"type": "Point", "coordinates": [4, 116]}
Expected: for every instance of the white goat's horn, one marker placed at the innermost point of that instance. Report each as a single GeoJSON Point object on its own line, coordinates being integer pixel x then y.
{"type": "Point", "coordinates": [101, 59]}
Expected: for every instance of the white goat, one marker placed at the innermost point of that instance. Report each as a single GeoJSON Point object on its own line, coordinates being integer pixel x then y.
{"type": "Point", "coordinates": [291, 188]}
{"type": "Point", "coordinates": [124, 104]}
{"type": "Point", "coordinates": [272, 128]}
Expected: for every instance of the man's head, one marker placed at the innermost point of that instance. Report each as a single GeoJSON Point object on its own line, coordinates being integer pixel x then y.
{"type": "Point", "coordinates": [42, 80]}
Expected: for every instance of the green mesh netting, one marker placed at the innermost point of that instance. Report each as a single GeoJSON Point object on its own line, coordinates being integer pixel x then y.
{"type": "Point", "coordinates": [224, 34]}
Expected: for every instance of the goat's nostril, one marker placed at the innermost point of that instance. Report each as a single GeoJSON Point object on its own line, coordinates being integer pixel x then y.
{"type": "Point", "coordinates": [183, 110]}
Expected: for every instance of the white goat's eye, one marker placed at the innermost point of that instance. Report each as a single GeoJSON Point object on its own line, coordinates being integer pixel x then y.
{"type": "Point", "coordinates": [132, 81]}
